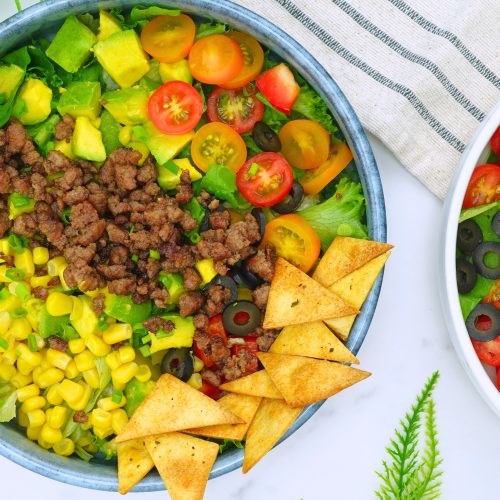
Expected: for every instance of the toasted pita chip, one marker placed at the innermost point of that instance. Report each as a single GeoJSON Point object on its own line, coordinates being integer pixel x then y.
{"type": "Point", "coordinates": [184, 463]}
{"type": "Point", "coordinates": [272, 420]}
{"type": "Point", "coordinates": [134, 462]}
{"type": "Point", "coordinates": [257, 384]}
{"type": "Point", "coordinates": [242, 406]}
{"type": "Point", "coordinates": [354, 288]}
{"type": "Point", "coordinates": [295, 298]}
{"type": "Point", "coordinates": [303, 381]}
{"type": "Point", "coordinates": [344, 256]}
{"type": "Point", "coordinates": [173, 405]}
{"type": "Point", "coordinates": [313, 340]}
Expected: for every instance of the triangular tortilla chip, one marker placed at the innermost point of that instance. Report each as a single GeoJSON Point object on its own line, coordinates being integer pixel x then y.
{"type": "Point", "coordinates": [257, 384]}
{"type": "Point", "coordinates": [354, 288]}
{"type": "Point", "coordinates": [173, 405]}
{"type": "Point", "coordinates": [184, 463]}
{"type": "Point", "coordinates": [303, 381]}
{"type": "Point", "coordinates": [296, 298]}
{"type": "Point", "coordinates": [313, 340]}
{"type": "Point", "coordinates": [344, 256]}
{"type": "Point", "coordinates": [242, 406]}
{"type": "Point", "coordinates": [272, 420]}
{"type": "Point", "coordinates": [134, 462]}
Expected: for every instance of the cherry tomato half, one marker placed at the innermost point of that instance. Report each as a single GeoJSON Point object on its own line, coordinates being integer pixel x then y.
{"type": "Point", "coordinates": [294, 240]}
{"type": "Point", "coordinates": [253, 59]}
{"type": "Point", "coordinates": [495, 142]}
{"type": "Point", "coordinates": [488, 352]}
{"type": "Point", "coordinates": [215, 59]}
{"type": "Point", "coordinates": [304, 143]}
{"type": "Point", "coordinates": [235, 109]}
{"type": "Point", "coordinates": [175, 107]}
{"type": "Point", "coordinates": [168, 38]}
{"type": "Point", "coordinates": [493, 297]}
{"type": "Point", "coordinates": [279, 87]}
{"type": "Point", "coordinates": [218, 144]}
{"type": "Point", "coordinates": [265, 179]}
{"type": "Point", "coordinates": [498, 378]}
{"type": "Point", "coordinates": [210, 390]}
{"type": "Point", "coordinates": [484, 186]}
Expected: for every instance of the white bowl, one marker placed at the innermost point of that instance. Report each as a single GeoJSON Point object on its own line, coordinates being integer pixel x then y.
{"type": "Point", "coordinates": [476, 153]}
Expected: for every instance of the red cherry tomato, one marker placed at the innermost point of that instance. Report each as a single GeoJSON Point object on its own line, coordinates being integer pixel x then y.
{"type": "Point", "coordinates": [488, 352]}
{"type": "Point", "coordinates": [217, 330]}
{"type": "Point", "coordinates": [279, 87]}
{"type": "Point", "coordinates": [235, 109]}
{"type": "Point", "coordinates": [483, 186]}
{"type": "Point", "coordinates": [175, 108]}
{"type": "Point", "coordinates": [495, 142]}
{"type": "Point", "coordinates": [210, 390]}
{"type": "Point", "coordinates": [498, 378]}
{"type": "Point", "coordinates": [493, 297]}
{"type": "Point", "coordinates": [265, 179]}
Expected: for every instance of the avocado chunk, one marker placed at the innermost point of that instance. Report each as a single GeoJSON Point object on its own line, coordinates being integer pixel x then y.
{"type": "Point", "coordinates": [32, 104]}
{"type": "Point", "coordinates": [174, 284]}
{"type": "Point", "coordinates": [136, 393]}
{"type": "Point", "coordinates": [169, 177]}
{"type": "Point", "coordinates": [122, 308]}
{"type": "Point", "coordinates": [10, 79]}
{"type": "Point", "coordinates": [127, 106]}
{"type": "Point", "coordinates": [87, 141]}
{"type": "Point", "coordinates": [20, 204]}
{"type": "Point", "coordinates": [180, 336]}
{"type": "Point", "coordinates": [51, 325]}
{"type": "Point", "coordinates": [81, 99]}
{"type": "Point", "coordinates": [122, 56]}
{"type": "Point", "coordinates": [71, 46]}
{"type": "Point", "coordinates": [110, 130]}
{"type": "Point", "coordinates": [176, 71]}
{"type": "Point", "coordinates": [108, 24]}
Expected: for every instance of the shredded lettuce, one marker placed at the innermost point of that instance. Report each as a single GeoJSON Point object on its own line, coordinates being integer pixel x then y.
{"type": "Point", "coordinates": [471, 299]}
{"type": "Point", "coordinates": [221, 182]}
{"type": "Point", "coordinates": [469, 213]}
{"type": "Point", "coordinates": [210, 28]}
{"type": "Point", "coordinates": [8, 398]}
{"type": "Point", "coordinates": [341, 214]}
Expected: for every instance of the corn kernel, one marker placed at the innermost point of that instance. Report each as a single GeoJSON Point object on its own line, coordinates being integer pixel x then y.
{"type": "Point", "coordinates": [76, 346]}
{"type": "Point", "coordinates": [101, 418]}
{"type": "Point", "coordinates": [113, 360]}
{"type": "Point", "coordinates": [126, 353]}
{"type": "Point", "coordinates": [59, 304]}
{"type": "Point", "coordinates": [124, 373]}
{"type": "Point", "coordinates": [42, 443]}
{"type": "Point", "coordinates": [143, 373]}
{"type": "Point", "coordinates": [102, 433]}
{"type": "Point", "coordinates": [97, 346]}
{"type": "Point", "coordinates": [20, 328]}
{"type": "Point", "coordinates": [53, 396]}
{"type": "Point", "coordinates": [83, 401]}
{"type": "Point", "coordinates": [107, 404]}
{"type": "Point", "coordinates": [6, 372]}
{"type": "Point", "coordinates": [19, 380]}
{"type": "Point", "coordinates": [92, 378]}
{"type": "Point", "coordinates": [33, 403]}
{"type": "Point", "coordinates": [33, 432]}
{"type": "Point", "coordinates": [85, 361]}
{"type": "Point", "coordinates": [50, 435]}
{"type": "Point", "coordinates": [50, 377]}
{"type": "Point", "coordinates": [70, 391]}
{"type": "Point", "coordinates": [65, 447]}
{"type": "Point", "coordinates": [45, 365]}
{"type": "Point", "coordinates": [197, 364]}
{"type": "Point", "coordinates": [57, 416]}
{"type": "Point", "coordinates": [40, 256]}
{"type": "Point", "coordinates": [195, 381]}
{"type": "Point", "coordinates": [58, 359]}
{"type": "Point", "coordinates": [24, 261]}
{"type": "Point", "coordinates": [10, 303]}
{"type": "Point", "coordinates": [55, 265]}
{"type": "Point", "coordinates": [36, 418]}
{"type": "Point", "coordinates": [34, 359]}
{"type": "Point", "coordinates": [5, 321]}
{"type": "Point", "coordinates": [40, 281]}
{"type": "Point", "coordinates": [72, 370]}
{"type": "Point", "coordinates": [37, 371]}
{"type": "Point", "coordinates": [5, 248]}
{"type": "Point", "coordinates": [23, 367]}
{"type": "Point", "coordinates": [119, 420]}
{"type": "Point", "coordinates": [117, 333]}
{"type": "Point", "coordinates": [22, 419]}
{"type": "Point", "coordinates": [10, 356]}
{"type": "Point", "coordinates": [29, 391]}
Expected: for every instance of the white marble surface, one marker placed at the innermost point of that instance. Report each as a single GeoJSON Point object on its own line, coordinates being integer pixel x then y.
{"type": "Point", "coordinates": [335, 454]}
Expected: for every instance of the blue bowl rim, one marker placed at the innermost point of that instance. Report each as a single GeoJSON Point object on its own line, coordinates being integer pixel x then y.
{"type": "Point", "coordinates": [14, 31]}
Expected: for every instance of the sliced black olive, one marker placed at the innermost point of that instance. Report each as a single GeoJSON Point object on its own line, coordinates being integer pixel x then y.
{"type": "Point", "coordinates": [291, 201]}
{"type": "Point", "coordinates": [483, 323]}
{"type": "Point", "coordinates": [266, 138]}
{"type": "Point", "coordinates": [225, 281]}
{"type": "Point", "coordinates": [466, 276]}
{"type": "Point", "coordinates": [178, 362]}
{"type": "Point", "coordinates": [261, 219]}
{"type": "Point", "coordinates": [469, 236]}
{"type": "Point", "coordinates": [486, 258]}
{"type": "Point", "coordinates": [241, 318]}
{"type": "Point", "coordinates": [244, 277]}
{"type": "Point", "coordinates": [495, 223]}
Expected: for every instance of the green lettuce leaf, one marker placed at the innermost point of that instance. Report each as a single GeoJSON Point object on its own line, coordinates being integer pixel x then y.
{"type": "Point", "coordinates": [469, 213]}
{"type": "Point", "coordinates": [142, 12]}
{"type": "Point", "coordinates": [221, 182]}
{"type": "Point", "coordinates": [136, 392]}
{"type": "Point", "coordinates": [8, 398]}
{"type": "Point", "coordinates": [210, 28]}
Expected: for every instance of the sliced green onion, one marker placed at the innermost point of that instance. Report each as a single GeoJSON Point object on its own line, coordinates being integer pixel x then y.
{"type": "Point", "coordinates": [134, 257]}
{"type": "Point", "coordinates": [15, 274]}
{"type": "Point", "coordinates": [154, 254]}
{"type": "Point", "coordinates": [162, 334]}
{"type": "Point", "coordinates": [21, 290]}
{"type": "Point", "coordinates": [170, 165]}
{"type": "Point", "coordinates": [4, 344]}
{"type": "Point", "coordinates": [16, 243]}
{"type": "Point", "coordinates": [145, 351]}
{"type": "Point", "coordinates": [4, 293]}
{"type": "Point", "coordinates": [32, 343]}
{"type": "Point", "coordinates": [18, 312]}
{"type": "Point", "coordinates": [117, 397]}
{"type": "Point", "coordinates": [65, 215]}
{"type": "Point", "coordinates": [20, 201]}
{"type": "Point", "coordinates": [146, 338]}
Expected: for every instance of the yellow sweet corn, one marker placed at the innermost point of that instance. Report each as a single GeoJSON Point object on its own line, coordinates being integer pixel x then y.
{"type": "Point", "coordinates": [113, 360]}
{"type": "Point", "coordinates": [33, 403]}
{"type": "Point", "coordinates": [56, 417]}
{"type": "Point", "coordinates": [65, 447]}
{"type": "Point", "coordinates": [107, 404]}
{"type": "Point", "coordinates": [37, 371]}
{"type": "Point", "coordinates": [195, 381]}
{"type": "Point", "coordinates": [40, 256]}
{"type": "Point", "coordinates": [5, 248]}
{"type": "Point", "coordinates": [19, 380]}
{"type": "Point", "coordinates": [33, 433]}
{"type": "Point", "coordinates": [57, 358]}
{"type": "Point", "coordinates": [50, 435]}
{"type": "Point", "coordinates": [124, 373]}
{"type": "Point", "coordinates": [70, 391]}
{"type": "Point", "coordinates": [102, 433]}
{"type": "Point", "coordinates": [101, 418]}
{"type": "Point", "coordinates": [6, 372]}
{"type": "Point", "coordinates": [36, 418]}
{"type": "Point", "coordinates": [43, 443]}
{"type": "Point", "coordinates": [53, 396]}
{"type": "Point", "coordinates": [55, 265]}
{"type": "Point", "coordinates": [197, 364]}
{"type": "Point", "coordinates": [45, 365]}
{"type": "Point", "coordinates": [5, 321]}
{"type": "Point", "coordinates": [85, 361]}
{"type": "Point", "coordinates": [50, 377]}
{"type": "Point", "coordinates": [24, 261]}
{"type": "Point", "coordinates": [26, 392]}
{"type": "Point", "coordinates": [117, 333]}
{"type": "Point", "coordinates": [10, 356]}
{"type": "Point", "coordinates": [143, 373]}
{"type": "Point", "coordinates": [23, 367]}
{"type": "Point", "coordinates": [83, 401]}
{"type": "Point", "coordinates": [20, 328]}
{"type": "Point", "coordinates": [9, 303]}
{"type": "Point", "coordinates": [59, 304]}
{"type": "Point", "coordinates": [22, 419]}
{"type": "Point", "coordinates": [76, 346]}
{"type": "Point", "coordinates": [40, 281]}
{"type": "Point", "coordinates": [92, 378]}
{"type": "Point", "coordinates": [97, 346]}
{"type": "Point", "coordinates": [126, 354]}
{"type": "Point", "coordinates": [119, 420]}
{"type": "Point", "coordinates": [72, 370]}
{"type": "Point", "coordinates": [32, 358]}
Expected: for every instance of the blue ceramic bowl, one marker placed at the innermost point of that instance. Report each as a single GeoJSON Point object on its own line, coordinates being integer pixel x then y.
{"type": "Point", "coordinates": [48, 15]}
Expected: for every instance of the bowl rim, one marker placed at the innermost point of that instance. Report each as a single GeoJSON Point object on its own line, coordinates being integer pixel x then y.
{"type": "Point", "coordinates": [448, 285]}
{"type": "Point", "coordinates": [14, 30]}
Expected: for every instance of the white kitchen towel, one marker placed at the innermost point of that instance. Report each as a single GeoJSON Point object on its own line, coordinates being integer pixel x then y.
{"type": "Point", "coordinates": [420, 74]}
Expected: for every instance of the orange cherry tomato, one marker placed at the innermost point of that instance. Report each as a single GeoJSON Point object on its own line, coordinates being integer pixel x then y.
{"type": "Point", "coordinates": [253, 59]}
{"type": "Point", "coordinates": [304, 143]}
{"type": "Point", "coordinates": [215, 59]}
{"type": "Point", "coordinates": [493, 297]}
{"type": "Point", "coordinates": [313, 181]}
{"type": "Point", "coordinates": [218, 144]}
{"type": "Point", "coordinates": [294, 240]}
{"type": "Point", "coordinates": [168, 38]}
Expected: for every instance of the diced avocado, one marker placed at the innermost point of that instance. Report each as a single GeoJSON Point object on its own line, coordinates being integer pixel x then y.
{"type": "Point", "coordinates": [140, 147]}
{"type": "Point", "coordinates": [181, 335]}
{"type": "Point", "coordinates": [10, 79]}
{"type": "Point", "coordinates": [82, 317]}
{"type": "Point", "coordinates": [65, 148]}
{"type": "Point", "coordinates": [72, 45]}
{"type": "Point", "coordinates": [174, 284]}
{"type": "Point", "coordinates": [122, 308]}
{"type": "Point", "coordinates": [87, 141]}
{"type": "Point", "coordinates": [51, 325]}
{"type": "Point", "coordinates": [169, 180]}
{"type": "Point", "coordinates": [81, 99]}
{"type": "Point", "coordinates": [176, 71]}
{"type": "Point", "coordinates": [206, 269]}
{"type": "Point", "coordinates": [108, 25]}
{"type": "Point", "coordinates": [32, 104]}
{"type": "Point", "coordinates": [136, 392]}
{"type": "Point", "coordinates": [110, 129]}
{"type": "Point", "coordinates": [20, 204]}
{"type": "Point", "coordinates": [122, 56]}
{"type": "Point", "coordinates": [127, 106]}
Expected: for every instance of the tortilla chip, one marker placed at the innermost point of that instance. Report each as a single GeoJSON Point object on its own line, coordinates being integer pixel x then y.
{"type": "Point", "coordinates": [354, 288]}
{"type": "Point", "coordinates": [295, 298]}
{"type": "Point", "coordinates": [134, 463]}
{"type": "Point", "coordinates": [184, 463]}
{"type": "Point", "coordinates": [257, 384]}
{"type": "Point", "coordinates": [272, 420]}
{"type": "Point", "coordinates": [242, 406]}
{"type": "Point", "coordinates": [313, 340]}
{"type": "Point", "coordinates": [173, 405]}
{"type": "Point", "coordinates": [303, 381]}
{"type": "Point", "coordinates": [344, 256]}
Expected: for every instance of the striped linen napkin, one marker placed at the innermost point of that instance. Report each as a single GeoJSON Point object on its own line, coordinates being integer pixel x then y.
{"type": "Point", "coordinates": [421, 74]}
